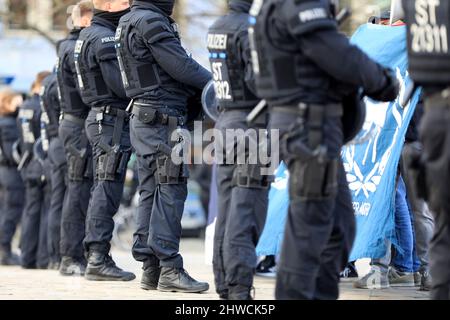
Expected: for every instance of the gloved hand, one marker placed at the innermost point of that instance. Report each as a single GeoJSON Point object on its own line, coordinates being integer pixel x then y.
{"type": "Point", "coordinates": [390, 91]}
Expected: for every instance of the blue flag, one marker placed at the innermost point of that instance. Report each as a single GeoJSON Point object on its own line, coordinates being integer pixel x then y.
{"type": "Point", "coordinates": [272, 236]}
{"type": "Point", "coordinates": [372, 166]}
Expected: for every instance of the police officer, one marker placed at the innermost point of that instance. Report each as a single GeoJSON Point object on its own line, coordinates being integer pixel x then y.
{"type": "Point", "coordinates": [242, 189]}
{"type": "Point", "coordinates": [107, 129]}
{"type": "Point", "coordinates": [12, 189]}
{"type": "Point", "coordinates": [53, 146]}
{"type": "Point", "coordinates": [305, 69]}
{"type": "Point", "coordinates": [33, 242]}
{"type": "Point", "coordinates": [160, 76]}
{"type": "Point", "coordinates": [429, 61]}
{"type": "Point", "coordinates": [77, 149]}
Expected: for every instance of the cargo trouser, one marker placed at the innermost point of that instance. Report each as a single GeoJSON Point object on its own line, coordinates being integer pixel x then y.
{"type": "Point", "coordinates": [110, 163]}
{"type": "Point", "coordinates": [435, 136]}
{"type": "Point", "coordinates": [58, 184]}
{"type": "Point", "coordinates": [34, 226]}
{"type": "Point", "coordinates": [242, 211]}
{"type": "Point", "coordinates": [12, 200]}
{"type": "Point", "coordinates": [161, 204]}
{"type": "Point", "coordinates": [79, 158]}
{"type": "Point", "coordinates": [320, 227]}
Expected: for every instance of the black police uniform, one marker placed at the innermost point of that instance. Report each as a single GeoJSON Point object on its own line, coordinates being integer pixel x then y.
{"type": "Point", "coordinates": [242, 190]}
{"type": "Point", "coordinates": [58, 166]}
{"type": "Point", "coordinates": [78, 153]}
{"type": "Point", "coordinates": [107, 129]}
{"type": "Point", "coordinates": [33, 242]}
{"type": "Point", "coordinates": [429, 66]}
{"type": "Point", "coordinates": [304, 69]}
{"type": "Point", "coordinates": [12, 189]}
{"type": "Point", "coordinates": [160, 76]}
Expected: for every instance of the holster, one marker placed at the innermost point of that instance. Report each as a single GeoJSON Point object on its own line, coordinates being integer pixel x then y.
{"type": "Point", "coordinates": [112, 165]}
{"type": "Point", "coordinates": [167, 171]}
{"type": "Point", "coordinates": [77, 164]}
{"type": "Point", "coordinates": [249, 176]}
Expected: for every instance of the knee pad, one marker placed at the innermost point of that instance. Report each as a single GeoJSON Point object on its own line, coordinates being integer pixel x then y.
{"type": "Point", "coordinates": [314, 179]}
{"type": "Point", "coordinates": [250, 176]}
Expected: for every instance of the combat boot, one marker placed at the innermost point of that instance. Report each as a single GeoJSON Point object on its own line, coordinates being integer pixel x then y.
{"type": "Point", "coordinates": [8, 258]}
{"type": "Point", "coordinates": [150, 278]}
{"type": "Point", "coordinates": [178, 280]}
{"type": "Point", "coordinates": [101, 267]}
{"type": "Point", "coordinates": [72, 267]}
{"type": "Point", "coordinates": [239, 292]}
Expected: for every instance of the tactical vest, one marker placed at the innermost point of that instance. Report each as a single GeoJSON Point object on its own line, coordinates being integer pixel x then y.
{"type": "Point", "coordinates": [70, 101]}
{"type": "Point", "coordinates": [282, 71]}
{"type": "Point", "coordinates": [227, 63]}
{"type": "Point", "coordinates": [50, 97]}
{"type": "Point", "coordinates": [92, 86]}
{"type": "Point", "coordinates": [140, 75]}
{"type": "Point", "coordinates": [428, 41]}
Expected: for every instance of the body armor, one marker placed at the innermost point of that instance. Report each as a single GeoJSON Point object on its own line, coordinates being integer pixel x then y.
{"type": "Point", "coordinates": [92, 86]}
{"type": "Point", "coordinates": [282, 71]}
{"type": "Point", "coordinates": [227, 63]}
{"type": "Point", "coordinates": [140, 72]}
{"type": "Point", "coordinates": [70, 101]}
{"type": "Point", "coordinates": [428, 41]}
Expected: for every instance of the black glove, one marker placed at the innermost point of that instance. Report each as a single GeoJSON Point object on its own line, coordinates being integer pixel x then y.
{"type": "Point", "coordinates": [390, 91]}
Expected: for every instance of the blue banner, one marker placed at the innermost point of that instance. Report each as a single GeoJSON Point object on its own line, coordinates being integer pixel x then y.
{"type": "Point", "coordinates": [272, 236]}
{"type": "Point", "coordinates": [372, 166]}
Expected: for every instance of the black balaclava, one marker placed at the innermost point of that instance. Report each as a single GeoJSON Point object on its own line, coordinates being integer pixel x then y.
{"type": "Point", "coordinates": [240, 5]}
{"type": "Point", "coordinates": [164, 5]}
{"type": "Point", "coordinates": [112, 17]}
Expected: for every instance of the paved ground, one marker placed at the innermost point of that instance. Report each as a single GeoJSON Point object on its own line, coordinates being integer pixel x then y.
{"type": "Point", "coordinates": [16, 283]}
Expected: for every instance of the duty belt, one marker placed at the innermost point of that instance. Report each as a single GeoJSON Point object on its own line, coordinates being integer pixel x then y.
{"type": "Point", "coordinates": [151, 115]}
{"type": "Point", "coordinates": [70, 117]}
{"type": "Point", "coordinates": [314, 115]}
{"type": "Point", "coordinates": [303, 109]}
{"type": "Point", "coordinates": [111, 111]}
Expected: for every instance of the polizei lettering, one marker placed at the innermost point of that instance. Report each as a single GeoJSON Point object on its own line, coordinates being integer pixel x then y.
{"type": "Point", "coordinates": [313, 14]}
{"type": "Point", "coordinates": [217, 41]}
{"type": "Point", "coordinates": [429, 33]}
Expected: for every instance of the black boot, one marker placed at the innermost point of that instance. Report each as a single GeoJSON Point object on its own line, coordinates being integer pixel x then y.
{"type": "Point", "coordinates": [178, 280]}
{"type": "Point", "coordinates": [239, 292]}
{"type": "Point", "coordinates": [150, 278]}
{"type": "Point", "coordinates": [8, 258]}
{"type": "Point", "coordinates": [72, 267]}
{"type": "Point", "coordinates": [101, 267]}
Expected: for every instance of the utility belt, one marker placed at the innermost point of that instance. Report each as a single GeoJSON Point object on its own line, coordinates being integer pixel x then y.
{"type": "Point", "coordinates": [112, 112]}
{"type": "Point", "coordinates": [260, 122]}
{"type": "Point", "coordinates": [148, 114]}
{"type": "Point", "coordinates": [112, 164]}
{"type": "Point", "coordinates": [74, 119]}
{"type": "Point", "coordinates": [439, 99]}
{"type": "Point", "coordinates": [313, 115]}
